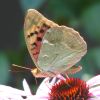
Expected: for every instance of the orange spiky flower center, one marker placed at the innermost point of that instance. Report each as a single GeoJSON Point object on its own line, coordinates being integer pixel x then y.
{"type": "Point", "coordinates": [70, 89]}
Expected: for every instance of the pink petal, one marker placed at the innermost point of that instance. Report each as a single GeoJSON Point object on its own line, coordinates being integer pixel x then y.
{"type": "Point", "coordinates": [10, 90]}
{"type": "Point", "coordinates": [95, 98]}
{"type": "Point", "coordinates": [37, 97]}
{"type": "Point", "coordinates": [94, 81]}
{"type": "Point", "coordinates": [95, 91]}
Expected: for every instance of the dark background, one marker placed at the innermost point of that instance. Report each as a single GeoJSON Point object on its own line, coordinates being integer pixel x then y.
{"type": "Point", "coordinates": [82, 15]}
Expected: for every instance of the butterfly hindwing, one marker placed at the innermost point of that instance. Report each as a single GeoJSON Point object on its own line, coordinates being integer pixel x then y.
{"type": "Point", "coordinates": [62, 47]}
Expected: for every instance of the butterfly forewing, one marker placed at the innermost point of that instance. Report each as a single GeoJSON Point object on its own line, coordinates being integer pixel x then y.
{"type": "Point", "coordinates": [35, 27]}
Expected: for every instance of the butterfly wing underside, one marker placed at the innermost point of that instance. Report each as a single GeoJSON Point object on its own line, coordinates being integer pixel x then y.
{"type": "Point", "coordinates": [35, 26]}
{"type": "Point", "coordinates": [62, 48]}
{"type": "Point", "coordinates": [53, 48]}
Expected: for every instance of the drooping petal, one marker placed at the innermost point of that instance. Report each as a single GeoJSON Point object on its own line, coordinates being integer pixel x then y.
{"type": "Point", "coordinates": [43, 89]}
{"type": "Point", "coordinates": [26, 87]}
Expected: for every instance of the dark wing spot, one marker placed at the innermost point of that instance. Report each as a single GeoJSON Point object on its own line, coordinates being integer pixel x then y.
{"type": "Point", "coordinates": [28, 36]}
{"type": "Point", "coordinates": [31, 34]}
{"type": "Point", "coordinates": [34, 44]}
{"type": "Point", "coordinates": [38, 27]}
{"type": "Point", "coordinates": [44, 25]}
{"type": "Point", "coordinates": [39, 38]}
{"type": "Point", "coordinates": [35, 32]}
{"type": "Point", "coordinates": [41, 31]}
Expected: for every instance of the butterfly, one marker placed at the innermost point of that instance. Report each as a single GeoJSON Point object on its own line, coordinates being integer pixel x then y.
{"type": "Point", "coordinates": [54, 49]}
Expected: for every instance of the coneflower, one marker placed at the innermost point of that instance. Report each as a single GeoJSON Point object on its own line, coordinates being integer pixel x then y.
{"type": "Point", "coordinates": [70, 89]}
{"type": "Point", "coordinates": [61, 89]}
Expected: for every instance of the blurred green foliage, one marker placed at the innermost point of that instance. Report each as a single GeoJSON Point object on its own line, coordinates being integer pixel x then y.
{"type": "Point", "coordinates": [90, 20]}
{"type": "Point", "coordinates": [4, 68]}
{"type": "Point", "coordinates": [82, 15]}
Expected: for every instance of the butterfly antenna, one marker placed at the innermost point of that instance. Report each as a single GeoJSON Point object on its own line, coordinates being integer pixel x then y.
{"type": "Point", "coordinates": [21, 67]}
